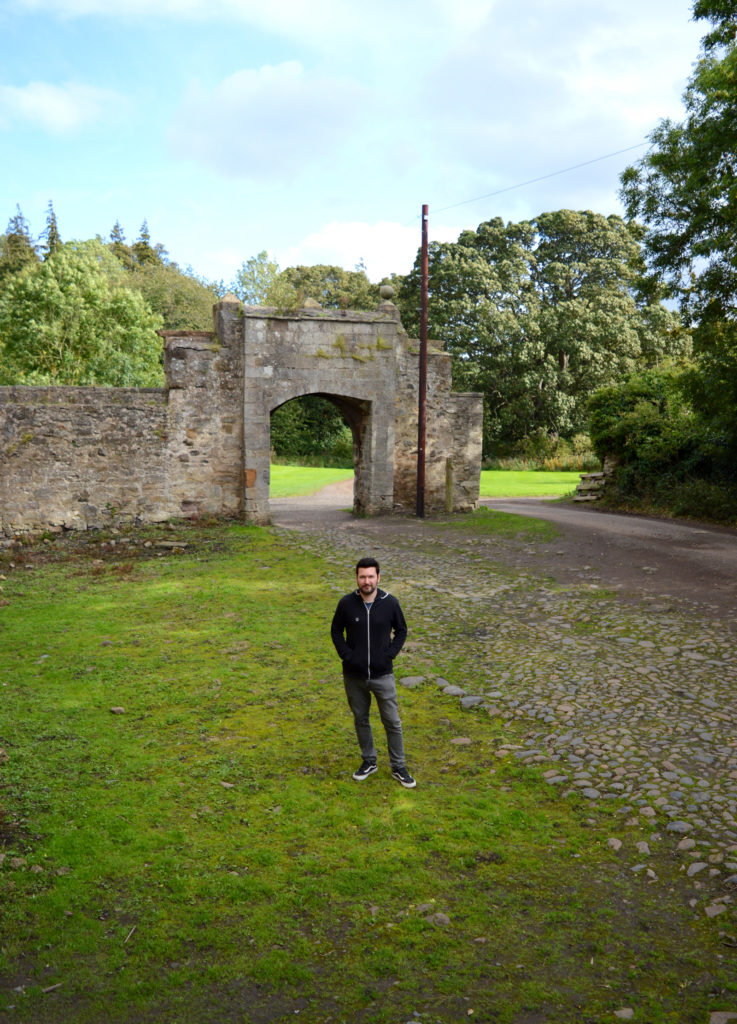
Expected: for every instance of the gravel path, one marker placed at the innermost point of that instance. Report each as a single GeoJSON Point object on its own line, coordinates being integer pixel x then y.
{"type": "Point", "coordinates": [624, 696]}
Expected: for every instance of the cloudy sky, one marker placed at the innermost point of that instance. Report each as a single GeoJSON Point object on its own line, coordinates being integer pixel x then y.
{"type": "Point", "coordinates": [317, 130]}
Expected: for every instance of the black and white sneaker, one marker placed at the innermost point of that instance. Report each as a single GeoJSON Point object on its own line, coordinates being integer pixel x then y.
{"type": "Point", "coordinates": [367, 768]}
{"type": "Point", "coordinates": [403, 776]}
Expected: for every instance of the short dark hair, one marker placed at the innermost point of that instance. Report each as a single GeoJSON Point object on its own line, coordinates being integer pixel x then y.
{"type": "Point", "coordinates": [367, 563]}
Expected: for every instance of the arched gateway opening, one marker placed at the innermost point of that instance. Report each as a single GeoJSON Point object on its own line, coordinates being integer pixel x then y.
{"type": "Point", "coordinates": [318, 429]}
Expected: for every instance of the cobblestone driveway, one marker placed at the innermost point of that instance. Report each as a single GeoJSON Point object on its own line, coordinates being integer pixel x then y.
{"type": "Point", "coordinates": [631, 701]}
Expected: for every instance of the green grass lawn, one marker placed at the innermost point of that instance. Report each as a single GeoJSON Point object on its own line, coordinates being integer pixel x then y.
{"type": "Point", "coordinates": [294, 481]}
{"type": "Point", "coordinates": [182, 841]}
{"type": "Point", "coordinates": [291, 481]}
{"type": "Point", "coordinates": [503, 483]}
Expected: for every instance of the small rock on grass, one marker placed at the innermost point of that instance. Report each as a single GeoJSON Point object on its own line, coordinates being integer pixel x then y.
{"type": "Point", "coordinates": [693, 869]}
{"type": "Point", "coordinates": [626, 1013]}
{"type": "Point", "coordinates": [722, 1017]}
{"type": "Point", "coordinates": [461, 741]}
{"type": "Point", "coordinates": [117, 711]}
{"type": "Point", "coordinates": [614, 844]}
{"type": "Point", "coordinates": [411, 681]}
{"type": "Point", "coordinates": [715, 909]}
{"type": "Point", "coordinates": [678, 826]}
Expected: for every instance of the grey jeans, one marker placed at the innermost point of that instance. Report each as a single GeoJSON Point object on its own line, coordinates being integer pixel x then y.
{"type": "Point", "coordinates": [359, 691]}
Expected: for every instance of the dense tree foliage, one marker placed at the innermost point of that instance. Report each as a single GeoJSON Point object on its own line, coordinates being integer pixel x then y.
{"type": "Point", "coordinates": [685, 190]}
{"type": "Point", "coordinates": [72, 320]}
{"type": "Point", "coordinates": [539, 314]}
{"type": "Point", "coordinates": [311, 427]}
{"type": "Point", "coordinates": [260, 282]}
{"type": "Point", "coordinates": [668, 457]}
{"type": "Point", "coordinates": [333, 287]}
{"type": "Point", "coordinates": [183, 300]}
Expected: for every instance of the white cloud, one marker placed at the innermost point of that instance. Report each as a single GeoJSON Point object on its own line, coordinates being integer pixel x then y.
{"type": "Point", "coordinates": [59, 109]}
{"type": "Point", "coordinates": [267, 123]}
{"type": "Point", "coordinates": [385, 247]}
{"type": "Point", "coordinates": [553, 87]}
{"type": "Point", "coordinates": [382, 26]}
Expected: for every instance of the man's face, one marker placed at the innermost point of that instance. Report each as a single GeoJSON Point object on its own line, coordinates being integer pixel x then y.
{"type": "Point", "coordinates": [368, 580]}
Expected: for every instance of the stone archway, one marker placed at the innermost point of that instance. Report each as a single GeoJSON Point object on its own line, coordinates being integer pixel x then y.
{"type": "Point", "coordinates": [349, 361]}
{"type": "Point", "coordinates": [85, 457]}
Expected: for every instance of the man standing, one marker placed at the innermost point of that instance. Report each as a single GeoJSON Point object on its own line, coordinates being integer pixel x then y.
{"type": "Point", "coordinates": [368, 631]}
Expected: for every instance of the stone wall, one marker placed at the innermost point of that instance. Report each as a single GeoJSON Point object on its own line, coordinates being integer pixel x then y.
{"type": "Point", "coordinates": [67, 456]}
{"type": "Point", "coordinates": [452, 435]}
{"type": "Point", "coordinates": [78, 457]}
{"type": "Point", "coordinates": [349, 357]}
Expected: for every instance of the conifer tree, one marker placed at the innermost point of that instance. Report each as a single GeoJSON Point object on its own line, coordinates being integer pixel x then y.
{"type": "Point", "coordinates": [119, 247]}
{"type": "Point", "coordinates": [18, 249]}
{"type": "Point", "coordinates": [143, 252]}
{"type": "Point", "coordinates": [51, 236]}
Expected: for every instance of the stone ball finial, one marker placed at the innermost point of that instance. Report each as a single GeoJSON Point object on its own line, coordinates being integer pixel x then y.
{"type": "Point", "coordinates": [230, 298]}
{"type": "Point", "coordinates": [386, 291]}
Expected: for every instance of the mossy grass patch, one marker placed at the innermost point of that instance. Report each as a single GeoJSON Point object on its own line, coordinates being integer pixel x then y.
{"type": "Point", "coordinates": [183, 841]}
{"type": "Point", "coordinates": [486, 522]}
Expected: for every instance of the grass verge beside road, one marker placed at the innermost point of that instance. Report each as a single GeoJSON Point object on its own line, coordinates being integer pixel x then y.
{"type": "Point", "coordinates": [182, 840]}
{"type": "Point", "coordinates": [503, 483]}
{"type": "Point", "coordinates": [293, 481]}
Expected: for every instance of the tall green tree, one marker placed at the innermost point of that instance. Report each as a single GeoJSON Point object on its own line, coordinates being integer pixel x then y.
{"type": "Point", "coordinates": [143, 252]}
{"type": "Point", "coordinates": [51, 237]}
{"type": "Point", "coordinates": [119, 247]}
{"type": "Point", "coordinates": [685, 191]}
{"type": "Point", "coordinates": [72, 320]}
{"type": "Point", "coordinates": [539, 314]}
{"type": "Point", "coordinates": [255, 280]}
{"type": "Point", "coordinates": [17, 249]}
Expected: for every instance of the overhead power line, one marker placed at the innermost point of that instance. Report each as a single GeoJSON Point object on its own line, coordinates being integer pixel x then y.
{"type": "Point", "coordinates": [543, 177]}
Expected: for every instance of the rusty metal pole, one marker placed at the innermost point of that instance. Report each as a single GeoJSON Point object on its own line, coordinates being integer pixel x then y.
{"type": "Point", "coordinates": [422, 386]}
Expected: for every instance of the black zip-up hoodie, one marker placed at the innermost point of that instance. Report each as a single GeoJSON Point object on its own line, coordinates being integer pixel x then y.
{"type": "Point", "coordinates": [368, 641]}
